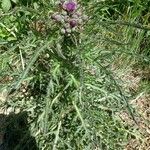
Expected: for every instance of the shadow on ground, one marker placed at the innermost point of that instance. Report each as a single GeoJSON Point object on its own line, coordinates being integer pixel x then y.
{"type": "Point", "coordinates": [15, 134]}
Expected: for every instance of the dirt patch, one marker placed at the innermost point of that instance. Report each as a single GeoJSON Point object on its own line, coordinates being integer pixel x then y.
{"type": "Point", "coordinates": [141, 138]}
{"type": "Point", "coordinates": [131, 81]}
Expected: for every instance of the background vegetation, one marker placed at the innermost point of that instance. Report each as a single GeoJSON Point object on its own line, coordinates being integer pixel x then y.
{"type": "Point", "coordinates": [97, 98]}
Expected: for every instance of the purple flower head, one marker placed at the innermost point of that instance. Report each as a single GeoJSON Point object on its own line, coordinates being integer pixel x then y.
{"type": "Point", "coordinates": [70, 6]}
{"type": "Point", "coordinates": [73, 23]}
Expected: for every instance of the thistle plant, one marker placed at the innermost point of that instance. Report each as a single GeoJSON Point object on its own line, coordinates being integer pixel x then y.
{"type": "Point", "coordinates": [70, 20]}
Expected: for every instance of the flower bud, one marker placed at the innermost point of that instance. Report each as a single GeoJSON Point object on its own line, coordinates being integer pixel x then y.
{"type": "Point", "coordinates": [66, 25]}
{"type": "Point", "coordinates": [73, 29]}
{"type": "Point", "coordinates": [68, 30]}
{"type": "Point", "coordinates": [74, 16]}
{"type": "Point", "coordinates": [53, 15]}
{"type": "Point", "coordinates": [70, 6]}
{"type": "Point", "coordinates": [63, 31]}
{"type": "Point", "coordinates": [80, 21]}
{"type": "Point", "coordinates": [85, 17]}
{"type": "Point", "coordinates": [57, 17]}
{"type": "Point", "coordinates": [73, 23]}
{"type": "Point", "coordinates": [64, 13]}
{"type": "Point", "coordinates": [66, 18]}
{"type": "Point", "coordinates": [79, 14]}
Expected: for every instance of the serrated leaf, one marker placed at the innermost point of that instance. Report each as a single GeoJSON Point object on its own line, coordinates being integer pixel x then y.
{"type": "Point", "coordinates": [59, 51]}
{"type": "Point", "coordinates": [6, 5]}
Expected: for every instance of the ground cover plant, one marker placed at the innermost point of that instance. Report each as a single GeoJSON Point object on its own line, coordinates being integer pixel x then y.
{"type": "Point", "coordinates": [74, 74]}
